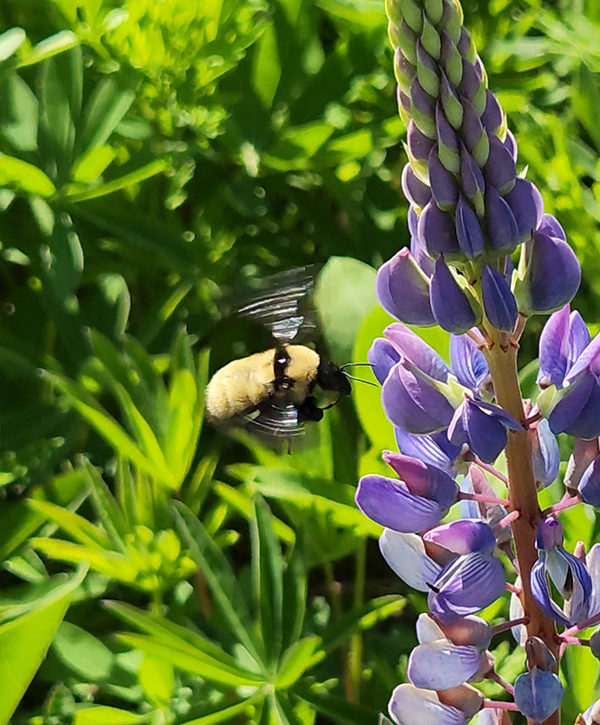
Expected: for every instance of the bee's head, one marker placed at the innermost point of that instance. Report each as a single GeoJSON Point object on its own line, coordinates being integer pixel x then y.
{"type": "Point", "coordinates": [332, 377]}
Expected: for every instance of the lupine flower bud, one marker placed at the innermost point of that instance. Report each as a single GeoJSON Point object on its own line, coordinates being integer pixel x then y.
{"type": "Point", "coordinates": [455, 309]}
{"type": "Point", "coordinates": [498, 301]}
{"type": "Point", "coordinates": [538, 694]}
{"type": "Point", "coordinates": [403, 290]}
{"type": "Point", "coordinates": [382, 356]}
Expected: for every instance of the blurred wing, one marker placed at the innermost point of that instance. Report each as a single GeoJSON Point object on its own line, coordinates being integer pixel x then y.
{"type": "Point", "coordinates": [283, 304]}
{"type": "Point", "coordinates": [276, 421]}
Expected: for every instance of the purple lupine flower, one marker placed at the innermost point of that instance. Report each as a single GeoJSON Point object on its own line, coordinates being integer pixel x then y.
{"type": "Point", "coordinates": [409, 705]}
{"type": "Point", "coordinates": [568, 574]}
{"type": "Point", "coordinates": [403, 290]}
{"type": "Point", "coordinates": [434, 449]}
{"type": "Point", "coordinates": [570, 376]}
{"type": "Point", "coordinates": [417, 502]}
{"type": "Point", "coordinates": [544, 449]}
{"type": "Point", "coordinates": [589, 485]}
{"type": "Point", "coordinates": [455, 309]}
{"type": "Point", "coordinates": [583, 455]}
{"type": "Point", "coordinates": [474, 579]}
{"type": "Point", "coordinates": [491, 513]}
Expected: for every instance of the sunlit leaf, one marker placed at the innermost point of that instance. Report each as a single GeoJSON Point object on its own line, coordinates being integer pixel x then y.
{"type": "Point", "coordinates": [22, 176]}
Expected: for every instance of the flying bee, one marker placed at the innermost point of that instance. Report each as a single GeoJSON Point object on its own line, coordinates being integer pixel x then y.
{"type": "Point", "coordinates": [272, 392]}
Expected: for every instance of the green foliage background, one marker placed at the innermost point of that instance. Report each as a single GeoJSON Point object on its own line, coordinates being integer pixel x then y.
{"type": "Point", "coordinates": [155, 157]}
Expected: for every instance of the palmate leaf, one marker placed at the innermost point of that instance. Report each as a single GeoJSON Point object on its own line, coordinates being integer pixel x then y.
{"type": "Point", "coordinates": [267, 570]}
{"type": "Point", "coordinates": [78, 527]}
{"type": "Point", "coordinates": [296, 660]}
{"type": "Point", "coordinates": [227, 594]}
{"type": "Point", "coordinates": [24, 642]}
{"type": "Point", "coordinates": [227, 713]}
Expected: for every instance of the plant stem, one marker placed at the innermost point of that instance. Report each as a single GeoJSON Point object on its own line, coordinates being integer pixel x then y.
{"type": "Point", "coordinates": [522, 492]}
{"type": "Point", "coordinates": [355, 651]}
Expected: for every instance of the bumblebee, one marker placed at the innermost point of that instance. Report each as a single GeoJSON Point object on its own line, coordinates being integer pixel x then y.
{"type": "Point", "coordinates": [272, 392]}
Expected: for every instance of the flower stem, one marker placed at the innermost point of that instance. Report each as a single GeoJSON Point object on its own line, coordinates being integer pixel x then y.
{"type": "Point", "coordinates": [522, 491]}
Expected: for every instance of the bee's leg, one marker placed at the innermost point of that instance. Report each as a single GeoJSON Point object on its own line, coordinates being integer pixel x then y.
{"type": "Point", "coordinates": [289, 446]}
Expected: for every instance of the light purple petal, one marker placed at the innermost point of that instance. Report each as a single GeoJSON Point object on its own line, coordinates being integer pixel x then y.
{"type": "Point", "coordinates": [468, 362]}
{"type": "Point", "coordinates": [435, 449]}
{"type": "Point", "coordinates": [467, 585]}
{"type": "Point", "coordinates": [389, 502]}
{"type": "Point", "coordinates": [586, 360]}
{"type": "Point", "coordinates": [464, 536]}
{"type": "Point", "coordinates": [579, 337]}
{"type": "Point", "coordinates": [405, 555]}
{"type": "Point", "coordinates": [422, 479]}
{"type": "Point", "coordinates": [427, 629]}
{"type": "Point", "coordinates": [417, 351]}
{"type": "Point", "coordinates": [412, 402]}
{"type": "Point", "coordinates": [382, 356]}
{"type": "Point", "coordinates": [592, 561]}
{"type": "Point", "coordinates": [442, 664]}
{"type": "Point", "coordinates": [540, 591]}
{"type": "Point", "coordinates": [403, 290]}
{"type": "Point", "coordinates": [411, 706]}
{"type": "Point", "coordinates": [554, 347]}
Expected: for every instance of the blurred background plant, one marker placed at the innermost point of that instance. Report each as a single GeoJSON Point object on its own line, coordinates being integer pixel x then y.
{"type": "Point", "coordinates": [154, 157]}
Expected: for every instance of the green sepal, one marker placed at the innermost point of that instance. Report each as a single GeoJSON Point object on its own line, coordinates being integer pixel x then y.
{"type": "Point", "coordinates": [407, 42]}
{"type": "Point", "coordinates": [453, 21]}
{"type": "Point", "coordinates": [479, 100]}
{"type": "Point", "coordinates": [423, 121]}
{"type": "Point", "coordinates": [449, 158]}
{"type": "Point", "coordinates": [393, 11]}
{"type": "Point", "coordinates": [428, 79]}
{"type": "Point", "coordinates": [404, 114]}
{"type": "Point", "coordinates": [454, 67]}
{"type": "Point", "coordinates": [434, 10]}
{"type": "Point", "coordinates": [413, 14]}
{"type": "Point", "coordinates": [471, 52]}
{"type": "Point", "coordinates": [453, 110]}
{"type": "Point", "coordinates": [431, 40]}
{"type": "Point", "coordinates": [481, 150]}
{"type": "Point", "coordinates": [403, 79]}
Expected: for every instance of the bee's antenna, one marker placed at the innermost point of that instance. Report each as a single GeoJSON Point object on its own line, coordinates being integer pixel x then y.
{"type": "Point", "coordinates": [356, 365]}
{"type": "Point", "coordinates": [360, 380]}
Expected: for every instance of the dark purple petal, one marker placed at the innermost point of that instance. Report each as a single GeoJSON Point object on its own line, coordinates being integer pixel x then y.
{"type": "Point", "coordinates": [464, 536]}
{"type": "Point", "coordinates": [418, 144]}
{"type": "Point", "coordinates": [554, 348]}
{"type": "Point", "coordinates": [474, 134]}
{"type": "Point", "coordinates": [435, 449]}
{"type": "Point", "coordinates": [422, 479]}
{"type": "Point", "coordinates": [587, 360]}
{"type": "Point", "coordinates": [470, 175]}
{"type": "Point", "coordinates": [466, 585]}
{"type": "Point", "coordinates": [499, 414]}
{"type": "Point", "coordinates": [414, 189]}
{"type": "Point", "coordinates": [549, 534]}
{"type": "Point", "coordinates": [502, 229]}
{"type": "Point", "coordinates": [587, 423]}
{"type": "Point", "coordinates": [498, 301]}
{"type": "Point", "coordinates": [551, 226]}
{"type": "Point", "coordinates": [485, 434]}
{"type": "Point", "coordinates": [589, 486]}
{"type": "Point", "coordinates": [441, 664]}
{"type": "Point", "coordinates": [500, 169]}
{"type": "Point", "coordinates": [443, 184]}
{"type": "Point", "coordinates": [542, 289]}
{"type": "Point", "coordinates": [493, 116]}
{"type": "Point", "coordinates": [457, 430]}
{"type": "Point", "coordinates": [403, 290]}
{"type": "Point", "coordinates": [470, 85]}
{"type": "Point", "coordinates": [412, 402]}
{"type": "Point", "coordinates": [422, 108]}
{"type": "Point", "coordinates": [511, 144]}
{"type": "Point", "coordinates": [566, 412]}
{"type": "Point", "coordinates": [417, 351]}
{"type": "Point", "coordinates": [468, 231]}
{"type": "Point", "coordinates": [527, 205]}
{"type": "Point", "coordinates": [468, 362]}
{"type": "Point", "coordinates": [382, 356]}
{"type": "Point", "coordinates": [437, 233]}
{"type": "Point", "coordinates": [449, 302]}
{"type": "Point", "coordinates": [538, 694]}
{"type": "Point", "coordinates": [389, 502]}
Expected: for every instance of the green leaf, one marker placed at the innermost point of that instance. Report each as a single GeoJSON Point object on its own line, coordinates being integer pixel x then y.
{"type": "Point", "coordinates": [55, 44]}
{"type": "Point", "coordinates": [226, 713]}
{"type": "Point", "coordinates": [10, 42]}
{"type": "Point", "coordinates": [75, 193]}
{"type": "Point", "coordinates": [102, 715]}
{"type": "Point", "coordinates": [344, 296]}
{"type": "Point", "coordinates": [71, 523]}
{"type": "Point", "coordinates": [295, 590]}
{"type": "Point", "coordinates": [219, 576]}
{"type": "Point", "coordinates": [93, 163]}
{"type": "Point", "coordinates": [586, 102]}
{"type": "Point", "coordinates": [83, 653]}
{"type": "Point", "coordinates": [296, 660]}
{"type": "Point", "coordinates": [243, 505]}
{"type": "Point", "coordinates": [157, 679]}
{"type": "Point", "coordinates": [21, 176]}
{"type": "Point", "coordinates": [266, 68]}
{"type": "Point", "coordinates": [106, 108]}
{"type": "Point", "coordinates": [337, 708]}
{"type": "Point", "coordinates": [114, 565]}
{"type": "Point", "coordinates": [185, 419]}
{"type": "Point", "coordinates": [267, 569]}
{"type": "Point", "coordinates": [198, 663]}
{"type": "Point", "coordinates": [24, 643]}
{"type": "Point", "coordinates": [107, 509]}
{"type": "Point", "coordinates": [19, 113]}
